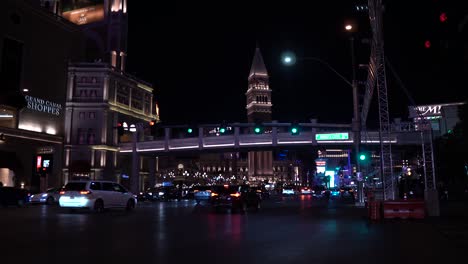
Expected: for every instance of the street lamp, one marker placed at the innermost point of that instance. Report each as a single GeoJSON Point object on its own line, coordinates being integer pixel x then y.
{"type": "Point", "coordinates": [289, 59]}
{"type": "Point", "coordinates": [348, 27]}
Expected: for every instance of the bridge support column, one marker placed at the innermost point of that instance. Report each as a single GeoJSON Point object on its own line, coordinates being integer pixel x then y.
{"type": "Point", "coordinates": [167, 137]}
{"type": "Point", "coordinates": [274, 134]}
{"type": "Point", "coordinates": [201, 132]}
{"type": "Point", "coordinates": [152, 172]}
{"type": "Point", "coordinates": [236, 136]}
{"type": "Point", "coordinates": [135, 177]}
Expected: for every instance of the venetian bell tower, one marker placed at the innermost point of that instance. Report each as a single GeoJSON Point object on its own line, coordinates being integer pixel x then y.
{"type": "Point", "coordinates": [259, 110]}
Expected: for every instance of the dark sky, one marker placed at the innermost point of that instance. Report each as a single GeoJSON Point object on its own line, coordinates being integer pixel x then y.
{"type": "Point", "coordinates": [198, 56]}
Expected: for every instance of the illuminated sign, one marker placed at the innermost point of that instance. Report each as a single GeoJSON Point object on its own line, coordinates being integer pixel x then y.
{"type": "Point", "coordinates": [320, 169]}
{"type": "Point", "coordinates": [42, 105]}
{"type": "Point", "coordinates": [83, 12]}
{"type": "Point", "coordinates": [425, 110]}
{"type": "Point", "coordinates": [46, 163]}
{"type": "Point", "coordinates": [38, 162]}
{"type": "Point", "coordinates": [332, 136]}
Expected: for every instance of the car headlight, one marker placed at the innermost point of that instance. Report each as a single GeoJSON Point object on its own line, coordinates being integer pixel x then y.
{"type": "Point", "coordinates": [150, 193]}
{"type": "Point", "coordinates": [161, 193]}
{"type": "Point", "coordinates": [44, 195]}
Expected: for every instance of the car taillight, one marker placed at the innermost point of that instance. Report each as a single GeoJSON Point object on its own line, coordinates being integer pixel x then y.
{"type": "Point", "coordinates": [62, 192]}
{"type": "Point", "coordinates": [214, 194]}
{"type": "Point", "coordinates": [85, 192]}
{"type": "Point", "coordinates": [259, 191]}
{"type": "Point", "coordinates": [235, 194]}
{"type": "Point", "coordinates": [195, 191]}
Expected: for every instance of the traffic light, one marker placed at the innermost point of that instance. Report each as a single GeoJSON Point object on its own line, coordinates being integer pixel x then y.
{"type": "Point", "coordinates": [294, 129]}
{"type": "Point", "coordinates": [258, 128]}
{"type": "Point", "coordinates": [189, 130]}
{"type": "Point", "coordinates": [364, 157]}
{"type": "Point", "coordinates": [443, 17]}
{"type": "Point", "coordinates": [120, 129]}
{"type": "Point", "coordinates": [223, 127]}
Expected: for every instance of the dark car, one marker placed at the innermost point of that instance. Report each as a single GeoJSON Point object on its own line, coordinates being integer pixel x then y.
{"type": "Point", "coordinates": [202, 193]}
{"type": "Point", "coordinates": [165, 193]}
{"type": "Point", "coordinates": [236, 197]}
{"type": "Point", "coordinates": [13, 196]}
{"type": "Point", "coordinates": [262, 191]}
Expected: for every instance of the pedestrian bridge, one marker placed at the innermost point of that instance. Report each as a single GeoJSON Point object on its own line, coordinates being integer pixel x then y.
{"type": "Point", "coordinates": [241, 136]}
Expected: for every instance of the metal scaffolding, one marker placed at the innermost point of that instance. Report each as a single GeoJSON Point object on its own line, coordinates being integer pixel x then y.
{"type": "Point", "coordinates": [386, 164]}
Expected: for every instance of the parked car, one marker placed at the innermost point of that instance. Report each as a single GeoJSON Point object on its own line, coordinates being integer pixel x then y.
{"type": "Point", "coordinates": [13, 196]}
{"type": "Point", "coordinates": [96, 195]}
{"type": "Point", "coordinates": [237, 197]}
{"type": "Point", "coordinates": [50, 196]}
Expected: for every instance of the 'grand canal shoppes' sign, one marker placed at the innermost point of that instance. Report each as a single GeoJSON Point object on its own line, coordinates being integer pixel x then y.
{"type": "Point", "coordinates": [42, 105]}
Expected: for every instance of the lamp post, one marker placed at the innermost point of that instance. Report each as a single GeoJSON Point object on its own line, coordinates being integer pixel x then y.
{"type": "Point", "coordinates": [356, 124]}
{"type": "Point", "coordinates": [290, 59]}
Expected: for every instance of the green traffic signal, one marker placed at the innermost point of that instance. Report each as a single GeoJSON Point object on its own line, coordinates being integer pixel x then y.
{"type": "Point", "coordinates": [257, 130]}
{"type": "Point", "coordinates": [294, 130]}
{"type": "Point", "coordinates": [222, 130]}
{"type": "Point", "coordinates": [189, 130]}
{"type": "Point", "coordinates": [362, 157]}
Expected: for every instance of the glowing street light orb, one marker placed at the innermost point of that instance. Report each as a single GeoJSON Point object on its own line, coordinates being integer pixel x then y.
{"type": "Point", "coordinates": [288, 58]}
{"type": "Point", "coordinates": [348, 27]}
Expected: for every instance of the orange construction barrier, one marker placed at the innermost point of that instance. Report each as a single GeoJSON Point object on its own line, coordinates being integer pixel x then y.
{"type": "Point", "coordinates": [404, 209]}
{"type": "Point", "coordinates": [374, 210]}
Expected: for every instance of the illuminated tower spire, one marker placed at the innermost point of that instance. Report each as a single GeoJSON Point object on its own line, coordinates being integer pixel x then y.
{"type": "Point", "coordinates": [258, 93]}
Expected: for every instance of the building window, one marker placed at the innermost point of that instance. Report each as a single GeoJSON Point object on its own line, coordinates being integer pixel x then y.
{"type": "Point", "coordinates": [82, 115]}
{"type": "Point", "coordinates": [92, 115]}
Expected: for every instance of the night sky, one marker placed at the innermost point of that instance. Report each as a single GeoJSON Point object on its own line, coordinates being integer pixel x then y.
{"type": "Point", "coordinates": [198, 56]}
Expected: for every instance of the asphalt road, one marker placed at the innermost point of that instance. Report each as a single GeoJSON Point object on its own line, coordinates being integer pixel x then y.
{"type": "Point", "coordinates": [286, 230]}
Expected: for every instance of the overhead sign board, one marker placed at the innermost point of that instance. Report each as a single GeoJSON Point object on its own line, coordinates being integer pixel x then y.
{"type": "Point", "coordinates": [332, 136]}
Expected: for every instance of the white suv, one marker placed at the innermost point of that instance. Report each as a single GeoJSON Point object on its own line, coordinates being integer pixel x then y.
{"type": "Point", "coordinates": [96, 195]}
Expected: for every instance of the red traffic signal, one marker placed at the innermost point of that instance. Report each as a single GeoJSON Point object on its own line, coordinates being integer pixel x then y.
{"type": "Point", "coordinates": [427, 44]}
{"type": "Point", "coordinates": [443, 17]}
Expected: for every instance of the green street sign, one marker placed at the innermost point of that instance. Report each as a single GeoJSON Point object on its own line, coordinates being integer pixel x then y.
{"type": "Point", "coordinates": [332, 136]}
